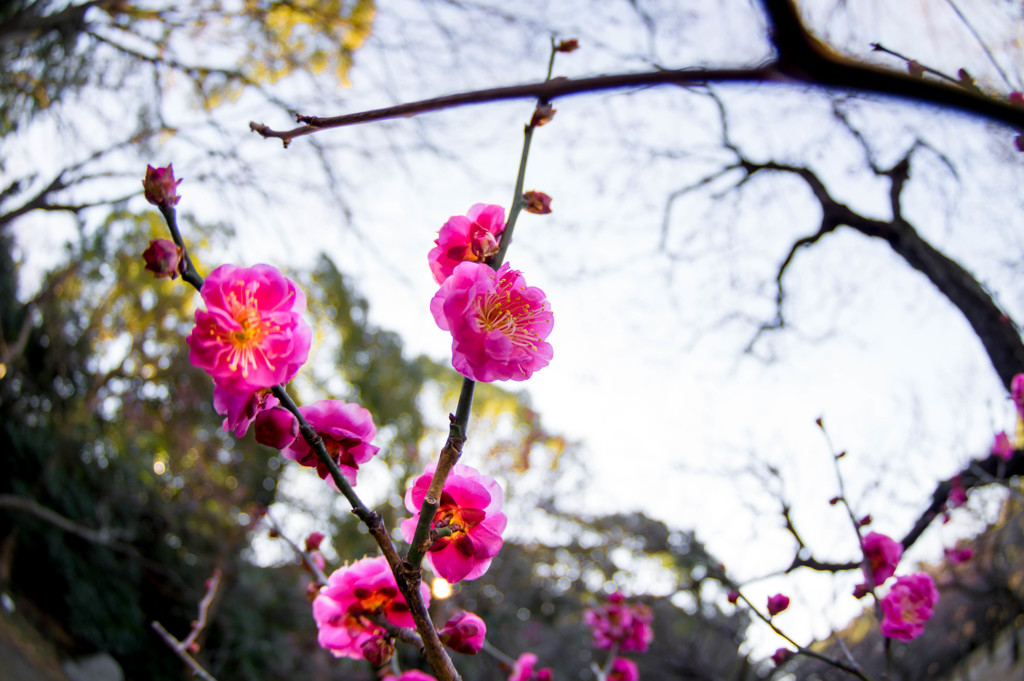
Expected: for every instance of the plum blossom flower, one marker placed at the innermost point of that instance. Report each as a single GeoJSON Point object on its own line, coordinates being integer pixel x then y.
{"type": "Point", "coordinates": [163, 258]}
{"type": "Point", "coordinates": [472, 237]}
{"type": "Point", "coordinates": [409, 675]}
{"type": "Point", "coordinates": [498, 323]}
{"type": "Point", "coordinates": [957, 494]}
{"type": "Point", "coordinates": [464, 633]}
{"type": "Point", "coordinates": [777, 604]}
{"type": "Point", "coordinates": [959, 555]}
{"type": "Point", "coordinates": [622, 624]}
{"type": "Point", "coordinates": [346, 430]}
{"type": "Point", "coordinates": [523, 670]}
{"type": "Point", "coordinates": [353, 595]}
{"type": "Point", "coordinates": [882, 555]}
{"type": "Point", "coordinates": [1017, 393]}
{"type": "Point", "coordinates": [160, 187]}
{"type": "Point", "coordinates": [252, 334]}
{"type": "Point", "coordinates": [908, 606]}
{"type": "Point", "coordinates": [623, 670]}
{"type": "Point", "coordinates": [1001, 447]}
{"type": "Point", "coordinates": [470, 506]}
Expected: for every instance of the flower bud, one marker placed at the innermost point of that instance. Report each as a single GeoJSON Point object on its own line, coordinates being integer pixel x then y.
{"type": "Point", "coordinates": [464, 633]}
{"type": "Point", "coordinates": [915, 69]}
{"type": "Point", "coordinates": [567, 45]}
{"type": "Point", "coordinates": [537, 203]}
{"type": "Point", "coordinates": [777, 604]}
{"type": "Point", "coordinates": [163, 258]}
{"type": "Point", "coordinates": [542, 115]}
{"type": "Point", "coordinates": [782, 656]}
{"type": "Point", "coordinates": [276, 427]}
{"type": "Point", "coordinates": [378, 650]}
{"type": "Point", "coordinates": [314, 540]}
{"type": "Point", "coordinates": [733, 596]}
{"type": "Point", "coordinates": [160, 187]}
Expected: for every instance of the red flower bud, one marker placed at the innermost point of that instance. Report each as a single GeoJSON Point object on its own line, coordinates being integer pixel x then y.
{"type": "Point", "coordinates": [314, 540]}
{"type": "Point", "coordinates": [782, 656]}
{"type": "Point", "coordinates": [537, 203]}
{"type": "Point", "coordinates": [163, 258]}
{"type": "Point", "coordinates": [777, 604]}
{"type": "Point", "coordinates": [160, 187]}
{"type": "Point", "coordinates": [542, 115]}
{"type": "Point", "coordinates": [378, 650]}
{"type": "Point", "coordinates": [733, 596]}
{"type": "Point", "coordinates": [567, 45]}
{"type": "Point", "coordinates": [915, 69]}
{"type": "Point", "coordinates": [276, 427]}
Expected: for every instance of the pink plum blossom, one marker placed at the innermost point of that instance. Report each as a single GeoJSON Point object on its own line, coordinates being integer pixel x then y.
{"type": "Point", "coordinates": [498, 323]}
{"type": "Point", "coordinates": [471, 506]}
{"type": "Point", "coordinates": [777, 604]}
{"type": "Point", "coordinates": [882, 554]}
{"type": "Point", "coordinates": [621, 624]}
{"type": "Point", "coordinates": [523, 670]}
{"type": "Point", "coordinates": [409, 675]}
{"type": "Point", "coordinates": [354, 594]}
{"type": "Point", "coordinates": [957, 494]}
{"type": "Point", "coordinates": [464, 633]}
{"type": "Point", "coordinates": [623, 670]}
{"type": "Point", "coordinates": [240, 405]}
{"type": "Point", "coordinates": [252, 334]}
{"type": "Point", "coordinates": [163, 258]}
{"type": "Point", "coordinates": [473, 237]}
{"type": "Point", "coordinates": [960, 555]}
{"type": "Point", "coordinates": [908, 606]}
{"type": "Point", "coordinates": [1017, 392]}
{"type": "Point", "coordinates": [537, 203]}
{"type": "Point", "coordinates": [1001, 447]}
{"type": "Point", "coordinates": [346, 430]}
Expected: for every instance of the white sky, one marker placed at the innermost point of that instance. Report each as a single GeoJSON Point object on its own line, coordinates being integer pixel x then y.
{"type": "Point", "coordinates": [648, 375]}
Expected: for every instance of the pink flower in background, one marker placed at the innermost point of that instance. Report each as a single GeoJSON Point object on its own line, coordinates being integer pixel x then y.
{"type": "Point", "coordinates": [160, 187]}
{"type": "Point", "coordinates": [353, 594]}
{"type": "Point", "coordinates": [408, 675]}
{"type": "Point", "coordinates": [908, 606]}
{"type": "Point", "coordinates": [623, 670]}
{"type": "Point", "coordinates": [882, 554]}
{"type": "Point", "coordinates": [523, 670]}
{"type": "Point", "coordinates": [240, 405]}
{"type": "Point", "coordinates": [782, 656]}
{"type": "Point", "coordinates": [473, 237]}
{"type": "Point", "coordinates": [163, 258]}
{"type": "Point", "coordinates": [1017, 392]}
{"type": "Point", "coordinates": [957, 556]}
{"type": "Point", "coordinates": [498, 323]}
{"type": "Point", "coordinates": [957, 494]}
{"type": "Point", "coordinates": [470, 505]}
{"type": "Point", "coordinates": [537, 203]}
{"type": "Point", "coordinates": [777, 604]}
{"type": "Point", "coordinates": [346, 430]}
{"type": "Point", "coordinates": [1002, 447]}
{"type": "Point", "coordinates": [622, 624]}
{"type": "Point", "coordinates": [464, 633]}
{"type": "Point", "coordinates": [251, 335]}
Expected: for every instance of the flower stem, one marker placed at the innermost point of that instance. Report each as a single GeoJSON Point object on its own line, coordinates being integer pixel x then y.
{"type": "Point", "coordinates": [189, 272]}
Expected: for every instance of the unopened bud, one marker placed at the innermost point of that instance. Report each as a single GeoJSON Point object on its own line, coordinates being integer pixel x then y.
{"type": "Point", "coordinates": [567, 45]}
{"type": "Point", "coordinates": [163, 258]}
{"type": "Point", "coordinates": [379, 650]}
{"type": "Point", "coordinates": [160, 187]}
{"type": "Point", "coordinates": [537, 203]}
{"type": "Point", "coordinates": [915, 69]}
{"type": "Point", "coordinates": [782, 656]}
{"type": "Point", "coordinates": [733, 596]}
{"type": "Point", "coordinates": [276, 427]}
{"type": "Point", "coordinates": [542, 115]}
{"type": "Point", "coordinates": [314, 540]}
